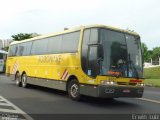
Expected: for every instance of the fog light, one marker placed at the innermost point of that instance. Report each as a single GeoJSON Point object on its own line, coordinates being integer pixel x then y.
{"type": "Point", "coordinates": [111, 82]}
{"type": "Point", "coordinates": [141, 84]}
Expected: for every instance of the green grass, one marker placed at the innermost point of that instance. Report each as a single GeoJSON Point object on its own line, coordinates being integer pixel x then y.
{"type": "Point", "coordinates": [152, 76]}
{"type": "Point", "coordinates": [152, 73]}
{"type": "Point", "coordinates": [153, 82]}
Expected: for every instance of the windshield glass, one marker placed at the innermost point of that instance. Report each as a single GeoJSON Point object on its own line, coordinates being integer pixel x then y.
{"type": "Point", "coordinates": [122, 54]}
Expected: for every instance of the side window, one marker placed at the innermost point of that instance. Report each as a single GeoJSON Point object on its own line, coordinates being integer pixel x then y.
{"type": "Point", "coordinates": [90, 52]}
{"type": "Point", "coordinates": [12, 50]}
{"type": "Point", "coordinates": [21, 48]}
{"type": "Point", "coordinates": [94, 35]}
{"type": "Point", "coordinates": [86, 37]}
{"type": "Point", "coordinates": [92, 55]}
{"type": "Point", "coordinates": [16, 50]}
{"type": "Point", "coordinates": [93, 64]}
{"type": "Point", "coordinates": [27, 49]}
{"type": "Point", "coordinates": [70, 42]}
{"type": "Point", "coordinates": [54, 45]}
{"type": "Point", "coordinates": [39, 47]}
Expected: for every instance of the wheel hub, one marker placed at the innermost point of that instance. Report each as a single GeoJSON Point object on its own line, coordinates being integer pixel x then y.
{"type": "Point", "coordinates": [74, 90]}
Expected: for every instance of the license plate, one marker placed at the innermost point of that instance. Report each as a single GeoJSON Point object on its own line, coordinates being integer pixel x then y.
{"type": "Point", "coordinates": [126, 91]}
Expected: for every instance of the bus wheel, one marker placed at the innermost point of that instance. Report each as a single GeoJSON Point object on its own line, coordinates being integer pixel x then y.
{"type": "Point", "coordinates": [16, 76]}
{"type": "Point", "coordinates": [18, 80]}
{"type": "Point", "coordinates": [73, 90]}
{"type": "Point", "coordinates": [24, 80]}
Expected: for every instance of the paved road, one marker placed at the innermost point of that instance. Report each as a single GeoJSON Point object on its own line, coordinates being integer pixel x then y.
{"type": "Point", "coordinates": [34, 101]}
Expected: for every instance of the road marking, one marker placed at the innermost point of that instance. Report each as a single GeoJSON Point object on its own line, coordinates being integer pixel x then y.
{"type": "Point", "coordinates": [149, 100]}
{"type": "Point", "coordinates": [5, 104]}
{"type": "Point", "coordinates": [15, 109]}
{"type": "Point", "coordinates": [1, 100]}
{"type": "Point", "coordinates": [9, 111]}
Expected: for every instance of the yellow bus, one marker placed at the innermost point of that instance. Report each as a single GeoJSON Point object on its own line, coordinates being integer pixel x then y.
{"type": "Point", "coordinates": [95, 60]}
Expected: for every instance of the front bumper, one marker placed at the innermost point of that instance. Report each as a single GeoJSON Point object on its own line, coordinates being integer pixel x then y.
{"type": "Point", "coordinates": [119, 91]}
{"type": "Point", "coordinates": [112, 91]}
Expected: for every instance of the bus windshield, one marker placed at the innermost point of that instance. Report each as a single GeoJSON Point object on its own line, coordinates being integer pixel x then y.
{"type": "Point", "coordinates": [122, 54]}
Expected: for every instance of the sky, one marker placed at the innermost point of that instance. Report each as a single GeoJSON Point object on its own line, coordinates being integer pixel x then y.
{"type": "Point", "coordinates": [49, 16]}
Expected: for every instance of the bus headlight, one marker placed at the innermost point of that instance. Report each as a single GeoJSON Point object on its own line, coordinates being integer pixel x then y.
{"type": "Point", "coordinates": [105, 82]}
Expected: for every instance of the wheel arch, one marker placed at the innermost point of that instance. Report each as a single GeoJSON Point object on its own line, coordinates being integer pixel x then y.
{"type": "Point", "coordinates": [16, 74]}
{"type": "Point", "coordinates": [71, 77]}
{"type": "Point", "coordinates": [24, 72]}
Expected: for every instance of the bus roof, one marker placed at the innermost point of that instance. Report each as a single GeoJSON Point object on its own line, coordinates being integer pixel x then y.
{"type": "Point", "coordinates": [76, 29]}
{"type": "Point", "coordinates": [4, 52]}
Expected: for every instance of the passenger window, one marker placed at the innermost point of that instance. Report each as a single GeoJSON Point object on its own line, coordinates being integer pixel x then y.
{"type": "Point", "coordinates": [70, 42]}
{"type": "Point", "coordinates": [39, 47]}
{"type": "Point", "coordinates": [54, 45]}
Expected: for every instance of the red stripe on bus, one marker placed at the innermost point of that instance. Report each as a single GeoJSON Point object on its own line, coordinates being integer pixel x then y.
{"type": "Point", "coordinates": [65, 76]}
{"type": "Point", "coordinates": [63, 73]}
{"type": "Point", "coordinates": [135, 81]}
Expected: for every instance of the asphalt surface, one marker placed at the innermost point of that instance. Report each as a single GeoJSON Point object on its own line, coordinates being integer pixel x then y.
{"type": "Point", "coordinates": [38, 101]}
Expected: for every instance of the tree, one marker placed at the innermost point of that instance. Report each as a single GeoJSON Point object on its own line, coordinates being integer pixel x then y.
{"type": "Point", "coordinates": [150, 52]}
{"type": "Point", "coordinates": [156, 53]}
{"type": "Point", "coordinates": [146, 54]}
{"type": "Point", "coordinates": [23, 36]}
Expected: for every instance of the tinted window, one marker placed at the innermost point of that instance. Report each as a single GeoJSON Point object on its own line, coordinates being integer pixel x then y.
{"type": "Point", "coordinates": [92, 53]}
{"type": "Point", "coordinates": [39, 47]}
{"type": "Point", "coordinates": [93, 64]}
{"type": "Point", "coordinates": [115, 52]}
{"type": "Point", "coordinates": [16, 50]}
{"type": "Point", "coordinates": [70, 42]}
{"type": "Point", "coordinates": [94, 35]}
{"type": "Point", "coordinates": [54, 44]}
{"type": "Point", "coordinates": [27, 49]}
{"type": "Point", "coordinates": [21, 48]}
{"type": "Point", "coordinates": [134, 56]}
{"type": "Point", "coordinates": [12, 50]}
{"type": "Point", "coordinates": [89, 52]}
{"type": "Point", "coordinates": [86, 37]}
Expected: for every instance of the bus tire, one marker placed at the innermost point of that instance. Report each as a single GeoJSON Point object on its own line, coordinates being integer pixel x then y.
{"type": "Point", "coordinates": [73, 90]}
{"type": "Point", "coordinates": [24, 80]}
{"type": "Point", "coordinates": [16, 76]}
{"type": "Point", "coordinates": [18, 80]}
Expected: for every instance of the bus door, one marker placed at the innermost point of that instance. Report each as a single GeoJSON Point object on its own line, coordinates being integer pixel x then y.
{"type": "Point", "coordinates": [91, 59]}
